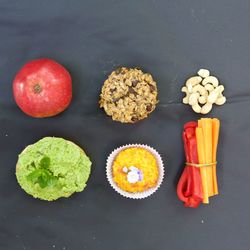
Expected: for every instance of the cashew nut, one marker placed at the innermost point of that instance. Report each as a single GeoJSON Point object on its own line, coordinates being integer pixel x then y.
{"type": "Point", "coordinates": [200, 89]}
{"type": "Point", "coordinates": [202, 92]}
{"type": "Point", "coordinates": [186, 98]}
{"type": "Point", "coordinates": [193, 99]}
{"type": "Point", "coordinates": [202, 99]}
{"type": "Point", "coordinates": [220, 88]}
{"type": "Point", "coordinates": [209, 87]}
{"type": "Point", "coordinates": [192, 81]}
{"type": "Point", "coordinates": [211, 79]}
{"type": "Point", "coordinates": [203, 73]}
{"type": "Point", "coordinates": [213, 96]}
{"type": "Point", "coordinates": [221, 100]}
{"type": "Point", "coordinates": [196, 108]}
{"type": "Point", "coordinates": [184, 89]}
{"type": "Point", "coordinates": [206, 108]}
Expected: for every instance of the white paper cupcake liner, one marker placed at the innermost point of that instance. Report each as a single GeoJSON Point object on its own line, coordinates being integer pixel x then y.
{"type": "Point", "coordinates": [138, 195]}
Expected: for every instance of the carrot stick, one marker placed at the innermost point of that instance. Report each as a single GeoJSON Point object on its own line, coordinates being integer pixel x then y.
{"type": "Point", "coordinates": [201, 157]}
{"type": "Point", "coordinates": [216, 131]}
{"type": "Point", "coordinates": [202, 123]}
{"type": "Point", "coordinates": [207, 128]}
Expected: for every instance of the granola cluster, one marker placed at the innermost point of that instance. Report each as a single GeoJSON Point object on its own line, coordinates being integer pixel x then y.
{"type": "Point", "coordinates": [128, 95]}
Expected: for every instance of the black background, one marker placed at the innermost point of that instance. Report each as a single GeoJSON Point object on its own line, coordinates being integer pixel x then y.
{"type": "Point", "coordinates": [171, 40]}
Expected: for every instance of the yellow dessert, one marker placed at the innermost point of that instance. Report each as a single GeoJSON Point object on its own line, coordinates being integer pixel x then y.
{"type": "Point", "coordinates": [135, 170]}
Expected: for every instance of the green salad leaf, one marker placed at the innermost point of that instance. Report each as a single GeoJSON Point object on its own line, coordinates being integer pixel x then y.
{"type": "Point", "coordinates": [42, 175]}
{"type": "Point", "coordinates": [45, 162]}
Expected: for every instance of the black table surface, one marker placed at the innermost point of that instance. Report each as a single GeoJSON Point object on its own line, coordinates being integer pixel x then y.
{"type": "Point", "coordinates": [171, 40]}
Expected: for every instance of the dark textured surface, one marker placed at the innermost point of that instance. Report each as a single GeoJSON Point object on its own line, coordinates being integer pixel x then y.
{"type": "Point", "coordinates": [170, 39]}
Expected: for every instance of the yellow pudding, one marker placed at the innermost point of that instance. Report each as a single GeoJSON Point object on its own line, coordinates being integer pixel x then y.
{"type": "Point", "coordinates": [135, 162]}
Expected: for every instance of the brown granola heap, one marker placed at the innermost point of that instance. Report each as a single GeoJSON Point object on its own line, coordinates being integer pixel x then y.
{"type": "Point", "coordinates": [128, 95]}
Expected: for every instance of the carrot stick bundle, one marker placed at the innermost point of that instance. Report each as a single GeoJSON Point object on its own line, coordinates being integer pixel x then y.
{"type": "Point", "coordinates": [207, 134]}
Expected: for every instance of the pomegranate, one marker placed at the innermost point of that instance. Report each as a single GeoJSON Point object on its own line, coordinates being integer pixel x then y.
{"type": "Point", "coordinates": [42, 88]}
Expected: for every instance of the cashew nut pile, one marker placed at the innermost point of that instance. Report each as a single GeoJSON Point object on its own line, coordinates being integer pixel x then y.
{"type": "Point", "coordinates": [203, 91]}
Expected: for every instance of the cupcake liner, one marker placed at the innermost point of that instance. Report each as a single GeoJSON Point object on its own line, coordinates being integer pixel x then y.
{"type": "Point", "coordinates": [138, 195]}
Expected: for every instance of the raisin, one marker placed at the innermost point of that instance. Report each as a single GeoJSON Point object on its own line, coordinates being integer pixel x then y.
{"type": "Point", "coordinates": [112, 90]}
{"type": "Point", "coordinates": [132, 91]}
{"type": "Point", "coordinates": [116, 99]}
{"type": "Point", "coordinates": [134, 119]}
{"type": "Point", "coordinates": [149, 107]}
{"type": "Point", "coordinates": [118, 71]}
{"type": "Point", "coordinates": [134, 83]}
{"type": "Point", "coordinates": [152, 88]}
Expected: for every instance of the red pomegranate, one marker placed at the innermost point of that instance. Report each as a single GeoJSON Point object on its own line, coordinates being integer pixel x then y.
{"type": "Point", "coordinates": [42, 88]}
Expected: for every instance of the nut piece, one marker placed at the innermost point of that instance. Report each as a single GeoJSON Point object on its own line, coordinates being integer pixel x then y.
{"type": "Point", "coordinates": [193, 99]}
{"type": "Point", "coordinates": [221, 100]}
{"type": "Point", "coordinates": [192, 81]}
{"type": "Point", "coordinates": [202, 99]}
{"type": "Point", "coordinates": [203, 73]}
{"type": "Point", "coordinates": [185, 100]}
{"type": "Point", "coordinates": [209, 87]}
{"type": "Point", "coordinates": [196, 108]}
{"type": "Point", "coordinates": [220, 88]}
{"type": "Point", "coordinates": [213, 96]}
{"type": "Point", "coordinates": [200, 89]}
{"type": "Point", "coordinates": [211, 79]}
{"type": "Point", "coordinates": [206, 108]}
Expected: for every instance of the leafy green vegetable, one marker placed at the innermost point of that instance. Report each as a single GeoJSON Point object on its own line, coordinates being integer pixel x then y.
{"type": "Point", "coordinates": [42, 175]}
{"type": "Point", "coordinates": [45, 162]}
